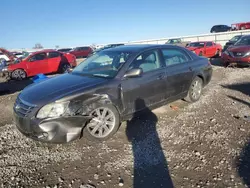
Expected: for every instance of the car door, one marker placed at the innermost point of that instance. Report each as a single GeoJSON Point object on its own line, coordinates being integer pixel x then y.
{"type": "Point", "coordinates": [178, 70]}
{"type": "Point", "coordinates": [209, 49]}
{"type": "Point", "coordinates": [38, 63]}
{"type": "Point", "coordinates": [54, 59]}
{"type": "Point", "coordinates": [149, 87]}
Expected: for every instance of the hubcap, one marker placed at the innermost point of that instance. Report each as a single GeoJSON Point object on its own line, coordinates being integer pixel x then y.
{"type": "Point", "coordinates": [196, 90]}
{"type": "Point", "coordinates": [102, 123]}
{"type": "Point", "coordinates": [18, 74]}
{"type": "Point", "coordinates": [66, 68]}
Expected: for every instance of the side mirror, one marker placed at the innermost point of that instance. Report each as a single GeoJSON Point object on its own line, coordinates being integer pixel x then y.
{"type": "Point", "coordinates": [133, 73]}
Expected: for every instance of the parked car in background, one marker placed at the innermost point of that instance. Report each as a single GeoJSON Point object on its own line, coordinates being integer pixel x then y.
{"type": "Point", "coordinates": [108, 88]}
{"type": "Point", "coordinates": [7, 56]}
{"type": "Point", "coordinates": [45, 62]}
{"type": "Point", "coordinates": [232, 41]}
{"type": "Point", "coordinates": [65, 50]}
{"type": "Point", "coordinates": [105, 47]}
{"type": "Point", "coordinates": [240, 26]}
{"type": "Point", "coordinates": [178, 42]}
{"type": "Point", "coordinates": [205, 48]}
{"type": "Point", "coordinates": [239, 53]}
{"type": "Point", "coordinates": [81, 52]}
{"type": "Point", "coordinates": [17, 54]}
{"type": "Point", "coordinates": [220, 28]}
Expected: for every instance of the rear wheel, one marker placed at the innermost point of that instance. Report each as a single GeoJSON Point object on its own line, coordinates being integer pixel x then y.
{"type": "Point", "coordinates": [195, 90]}
{"type": "Point", "coordinates": [104, 123]}
{"type": "Point", "coordinates": [18, 74]}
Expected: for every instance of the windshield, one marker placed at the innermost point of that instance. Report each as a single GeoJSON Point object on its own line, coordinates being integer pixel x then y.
{"type": "Point", "coordinates": [234, 39]}
{"type": "Point", "coordinates": [243, 41]}
{"type": "Point", "coordinates": [103, 64]}
{"type": "Point", "coordinates": [196, 44]}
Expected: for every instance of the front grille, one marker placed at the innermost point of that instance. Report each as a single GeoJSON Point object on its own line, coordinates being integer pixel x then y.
{"type": "Point", "coordinates": [23, 108]}
{"type": "Point", "coordinates": [238, 54]}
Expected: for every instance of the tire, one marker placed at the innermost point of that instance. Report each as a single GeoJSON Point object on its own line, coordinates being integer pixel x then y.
{"type": "Point", "coordinates": [64, 68]}
{"type": "Point", "coordinates": [218, 53]}
{"type": "Point", "coordinates": [200, 54]}
{"type": "Point", "coordinates": [18, 74]}
{"type": "Point", "coordinates": [92, 129]}
{"type": "Point", "coordinates": [195, 90]}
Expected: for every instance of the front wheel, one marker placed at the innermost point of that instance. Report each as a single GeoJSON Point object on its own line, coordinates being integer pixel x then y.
{"type": "Point", "coordinates": [195, 90]}
{"type": "Point", "coordinates": [104, 123]}
{"type": "Point", "coordinates": [218, 53]}
{"type": "Point", "coordinates": [18, 74]}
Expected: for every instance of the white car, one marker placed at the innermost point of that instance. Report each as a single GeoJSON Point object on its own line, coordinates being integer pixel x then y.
{"type": "Point", "coordinates": [3, 57]}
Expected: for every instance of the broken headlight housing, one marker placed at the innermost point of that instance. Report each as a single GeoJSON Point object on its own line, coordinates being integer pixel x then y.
{"type": "Point", "coordinates": [52, 110]}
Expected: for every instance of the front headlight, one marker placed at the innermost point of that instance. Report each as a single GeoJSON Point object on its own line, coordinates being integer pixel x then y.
{"type": "Point", "coordinates": [247, 54]}
{"type": "Point", "coordinates": [52, 110]}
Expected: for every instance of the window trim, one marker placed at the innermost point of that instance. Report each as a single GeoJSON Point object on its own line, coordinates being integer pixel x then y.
{"type": "Point", "coordinates": [59, 54]}
{"type": "Point", "coordinates": [185, 53]}
{"type": "Point", "coordinates": [46, 57]}
{"type": "Point", "coordinates": [211, 44]}
{"type": "Point", "coordinates": [162, 64]}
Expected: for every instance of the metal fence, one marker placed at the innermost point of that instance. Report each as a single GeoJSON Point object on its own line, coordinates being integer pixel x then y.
{"type": "Point", "coordinates": [220, 38]}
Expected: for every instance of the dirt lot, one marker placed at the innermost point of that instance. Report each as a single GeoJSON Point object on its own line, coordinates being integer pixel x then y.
{"type": "Point", "coordinates": [205, 144]}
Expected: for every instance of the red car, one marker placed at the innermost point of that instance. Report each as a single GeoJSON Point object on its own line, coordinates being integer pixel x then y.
{"type": "Point", "coordinates": [81, 51]}
{"type": "Point", "coordinates": [205, 48]}
{"type": "Point", "coordinates": [239, 53]}
{"type": "Point", "coordinates": [41, 62]}
{"type": "Point", "coordinates": [240, 26]}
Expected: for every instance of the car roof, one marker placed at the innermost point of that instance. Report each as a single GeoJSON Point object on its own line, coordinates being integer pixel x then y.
{"type": "Point", "coordinates": [245, 36]}
{"type": "Point", "coordinates": [44, 51]}
{"type": "Point", "coordinates": [138, 47]}
{"type": "Point", "coordinates": [201, 42]}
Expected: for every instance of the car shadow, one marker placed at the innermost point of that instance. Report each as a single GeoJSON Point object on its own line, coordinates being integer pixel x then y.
{"type": "Point", "coordinates": [243, 164]}
{"type": "Point", "coordinates": [13, 86]}
{"type": "Point", "coordinates": [216, 61]}
{"type": "Point", "coordinates": [243, 161]}
{"type": "Point", "coordinates": [241, 87]}
{"type": "Point", "coordinates": [150, 164]}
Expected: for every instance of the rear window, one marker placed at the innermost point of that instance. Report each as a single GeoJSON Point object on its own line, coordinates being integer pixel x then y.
{"type": "Point", "coordinates": [53, 54]}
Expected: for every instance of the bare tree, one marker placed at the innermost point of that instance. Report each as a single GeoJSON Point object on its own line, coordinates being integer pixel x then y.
{"type": "Point", "coordinates": [38, 46]}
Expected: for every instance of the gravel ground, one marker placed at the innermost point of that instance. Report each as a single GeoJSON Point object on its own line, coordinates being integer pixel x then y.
{"type": "Point", "coordinates": [204, 144]}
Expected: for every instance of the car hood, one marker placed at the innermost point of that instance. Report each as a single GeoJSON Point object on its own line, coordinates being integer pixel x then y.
{"type": "Point", "coordinates": [230, 43]}
{"type": "Point", "coordinates": [239, 48]}
{"type": "Point", "coordinates": [58, 87]}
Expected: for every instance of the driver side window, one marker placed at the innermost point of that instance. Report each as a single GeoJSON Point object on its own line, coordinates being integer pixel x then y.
{"type": "Point", "coordinates": [147, 61]}
{"type": "Point", "coordinates": [38, 57]}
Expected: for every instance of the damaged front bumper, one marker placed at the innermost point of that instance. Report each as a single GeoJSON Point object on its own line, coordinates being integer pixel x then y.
{"type": "Point", "coordinates": [57, 130]}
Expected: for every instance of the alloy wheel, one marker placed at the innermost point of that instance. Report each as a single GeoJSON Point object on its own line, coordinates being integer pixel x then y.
{"type": "Point", "coordinates": [102, 123]}
{"type": "Point", "coordinates": [19, 74]}
{"type": "Point", "coordinates": [196, 89]}
{"type": "Point", "coordinates": [65, 68]}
